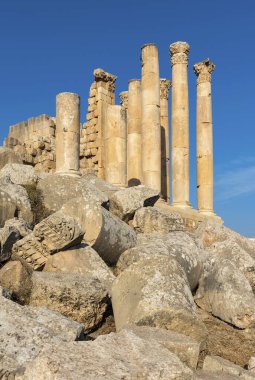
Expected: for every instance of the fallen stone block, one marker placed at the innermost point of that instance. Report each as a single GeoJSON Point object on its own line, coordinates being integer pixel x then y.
{"type": "Point", "coordinates": [124, 203]}
{"type": "Point", "coordinates": [109, 357]}
{"type": "Point", "coordinates": [153, 219]}
{"type": "Point", "coordinates": [18, 174]}
{"type": "Point", "coordinates": [223, 366]}
{"type": "Point", "coordinates": [226, 293]}
{"type": "Point", "coordinates": [155, 292]}
{"type": "Point", "coordinates": [81, 298]}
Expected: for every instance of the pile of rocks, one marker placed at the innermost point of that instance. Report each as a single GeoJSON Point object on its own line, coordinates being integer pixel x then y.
{"type": "Point", "coordinates": [111, 286]}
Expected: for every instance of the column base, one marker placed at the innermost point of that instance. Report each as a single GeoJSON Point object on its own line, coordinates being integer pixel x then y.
{"type": "Point", "coordinates": [69, 173]}
{"type": "Point", "coordinates": [211, 215]}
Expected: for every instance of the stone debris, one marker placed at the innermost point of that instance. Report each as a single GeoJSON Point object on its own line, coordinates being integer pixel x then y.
{"type": "Point", "coordinates": [219, 365]}
{"type": "Point", "coordinates": [18, 174]}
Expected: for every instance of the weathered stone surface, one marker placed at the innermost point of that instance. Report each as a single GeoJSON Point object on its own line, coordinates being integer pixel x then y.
{"type": "Point", "coordinates": [220, 365]}
{"type": "Point", "coordinates": [78, 297]}
{"type": "Point", "coordinates": [184, 347]}
{"type": "Point", "coordinates": [109, 357]}
{"type": "Point", "coordinates": [124, 203]}
{"type": "Point", "coordinates": [155, 292]}
{"type": "Point", "coordinates": [103, 186]}
{"type": "Point", "coordinates": [82, 260]}
{"type": "Point", "coordinates": [153, 219]}
{"type": "Point", "coordinates": [106, 233]}
{"type": "Point", "coordinates": [207, 375]}
{"type": "Point", "coordinates": [8, 156]}
{"type": "Point", "coordinates": [55, 233]}
{"type": "Point", "coordinates": [226, 293]}
{"type": "Point", "coordinates": [18, 174]}
{"type": "Point", "coordinates": [16, 277]}
{"type": "Point", "coordinates": [13, 230]}
{"type": "Point", "coordinates": [26, 330]}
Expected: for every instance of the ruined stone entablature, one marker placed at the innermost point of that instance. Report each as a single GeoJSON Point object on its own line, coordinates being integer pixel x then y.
{"type": "Point", "coordinates": [179, 52]}
{"type": "Point", "coordinates": [104, 76]}
{"type": "Point", "coordinates": [203, 71]}
{"type": "Point", "coordinates": [165, 85]}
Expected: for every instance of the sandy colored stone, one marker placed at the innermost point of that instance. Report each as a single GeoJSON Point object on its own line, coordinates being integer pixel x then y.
{"type": "Point", "coordinates": [109, 357]}
{"type": "Point", "coordinates": [153, 219]}
{"type": "Point", "coordinates": [82, 298]}
{"type": "Point", "coordinates": [18, 174]}
{"type": "Point", "coordinates": [155, 292]}
{"type": "Point", "coordinates": [220, 365]}
{"type": "Point", "coordinates": [8, 156]}
{"type": "Point", "coordinates": [180, 124]}
{"type": "Point", "coordinates": [124, 203]}
{"type": "Point", "coordinates": [150, 117]}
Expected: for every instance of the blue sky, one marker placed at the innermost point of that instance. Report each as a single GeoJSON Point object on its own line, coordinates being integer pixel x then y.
{"type": "Point", "coordinates": [53, 45]}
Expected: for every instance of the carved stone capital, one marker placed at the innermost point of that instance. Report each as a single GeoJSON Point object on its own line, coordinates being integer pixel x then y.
{"type": "Point", "coordinates": [165, 85]}
{"type": "Point", "coordinates": [179, 52]}
{"type": "Point", "coordinates": [203, 70]}
{"type": "Point", "coordinates": [124, 99]}
{"type": "Point", "coordinates": [101, 75]}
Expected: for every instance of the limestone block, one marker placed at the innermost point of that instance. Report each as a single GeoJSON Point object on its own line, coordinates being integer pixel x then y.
{"type": "Point", "coordinates": [18, 174]}
{"type": "Point", "coordinates": [26, 330]}
{"type": "Point", "coordinates": [125, 202]}
{"type": "Point", "coordinates": [109, 357]}
{"type": "Point", "coordinates": [16, 277]}
{"type": "Point", "coordinates": [184, 347]}
{"type": "Point", "coordinates": [226, 293]}
{"type": "Point", "coordinates": [82, 260]}
{"type": "Point", "coordinates": [155, 292]}
{"type": "Point", "coordinates": [8, 156]}
{"type": "Point", "coordinates": [106, 233]}
{"type": "Point", "coordinates": [220, 365]}
{"type": "Point", "coordinates": [78, 297]}
{"type": "Point", "coordinates": [153, 219]}
{"type": "Point", "coordinates": [9, 235]}
{"type": "Point", "coordinates": [207, 375]}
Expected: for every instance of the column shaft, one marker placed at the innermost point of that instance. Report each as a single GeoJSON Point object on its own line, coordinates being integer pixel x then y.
{"type": "Point", "coordinates": [134, 149]}
{"type": "Point", "coordinates": [180, 124]}
{"type": "Point", "coordinates": [150, 87]}
{"type": "Point", "coordinates": [204, 136]}
{"type": "Point", "coordinates": [68, 134]}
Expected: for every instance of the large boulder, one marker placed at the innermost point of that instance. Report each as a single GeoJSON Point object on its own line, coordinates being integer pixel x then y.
{"type": "Point", "coordinates": [109, 357]}
{"type": "Point", "coordinates": [26, 330]}
{"type": "Point", "coordinates": [226, 293]}
{"type": "Point", "coordinates": [216, 364]}
{"type": "Point", "coordinates": [155, 292]}
{"type": "Point", "coordinates": [105, 187]}
{"type": "Point", "coordinates": [81, 298]}
{"type": "Point", "coordinates": [153, 219]}
{"type": "Point", "coordinates": [125, 202]}
{"type": "Point", "coordinates": [18, 174]}
{"type": "Point", "coordinates": [83, 260]}
{"type": "Point", "coordinates": [8, 156]}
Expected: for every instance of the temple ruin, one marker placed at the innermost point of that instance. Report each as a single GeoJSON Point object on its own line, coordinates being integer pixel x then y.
{"type": "Point", "coordinates": [129, 144]}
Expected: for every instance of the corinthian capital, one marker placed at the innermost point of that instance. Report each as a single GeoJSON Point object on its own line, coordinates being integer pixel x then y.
{"type": "Point", "coordinates": [165, 84]}
{"type": "Point", "coordinates": [203, 70]}
{"type": "Point", "coordinates": [124, 99]}
{"type": "Point", "coordinates": [179, 52]}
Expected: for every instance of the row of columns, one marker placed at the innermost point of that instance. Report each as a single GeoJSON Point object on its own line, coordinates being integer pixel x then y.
{"type": "Point", "coordinates": [137, 133]}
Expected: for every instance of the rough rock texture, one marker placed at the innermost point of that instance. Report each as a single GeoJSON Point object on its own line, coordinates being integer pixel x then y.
{"type": "Point", "coordinates": [219, 365]}
{"type": "Point", "coordinates": [153, 219]}
{"type": "Point", "coordinates": [207, 375]}
{"type": "Point", "coordinates": [24, 331]}
{"type": "Point", "coordinates": [105, 232]}
{"type": "Point", "coordinates": [83, 260]}
{"type": "Point", "coordinates": [78, 297]}
{"type": "Point", "coordinates": [17, 278]}
{"type": "Point", "coordinates": [155, 292]}
{"type": "Point", "coordinates": [110, 357]}
{"type": "Point", "coordinates": [185, 348]}
{"type": "Point", "coordinates": [226, 293]}
{"type": "Point", "coordinates": [105, 187]}
{"type": "Point", "coordinates": [124, 203]}
{"type": "Point", "coordinates": [18, 174]}
{"type": "Point", "coordinates": [8, 156]}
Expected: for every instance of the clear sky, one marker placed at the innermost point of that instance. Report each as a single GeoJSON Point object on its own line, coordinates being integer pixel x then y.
{"type": "Point", "coordinates": [52, 46]}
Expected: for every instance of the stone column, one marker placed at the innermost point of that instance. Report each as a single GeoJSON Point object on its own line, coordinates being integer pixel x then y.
{"type": "Point", "coordinates": [203, 71]}
{"type": "Point", "coordinates": [180, 124]}
{"type": "Point", "coordinates": [68, 134]}
{"type": "Point", "coordinates": [151, 155]}
{"type": "Point", "coordinates": [115, 145]}
{"type": "Point", "coordinates": [165, 85]}
{"type": "Point", "coordinates": [134, 152]}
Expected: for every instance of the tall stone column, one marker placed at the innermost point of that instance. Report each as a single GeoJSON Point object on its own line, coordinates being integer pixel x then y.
{"type": "Point", "coordinates": [203, 71]}
{"type": "Point", "coordinates": [180, 124]}
{"type": "Point", "coordinates": [151, 146]}
{"type": "Point", "coordinates": [134, 149]}
{"type": "Point", "coordinates": [68, 134]}
{"type": "Point", "coordinates": [165, 85]}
